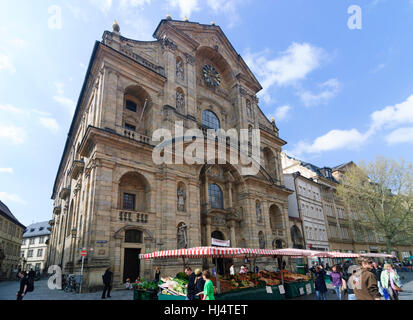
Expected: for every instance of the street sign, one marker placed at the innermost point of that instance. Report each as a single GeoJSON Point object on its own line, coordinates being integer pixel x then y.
{"type": "Point", "coordinates": [83, 253]}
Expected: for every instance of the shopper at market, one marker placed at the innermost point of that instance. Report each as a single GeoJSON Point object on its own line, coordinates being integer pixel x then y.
{"type": "Point", "coordinates": [208, 287]}
{"type": "Point", "coordinates": [390, 281]}
{"type": "Point", "coordinates": [199, 285]}
{"type": "Point", "coordinates": [351, 282]}
{"type": "Point", "coordinates": [157, 274]}
{"type": "Point", "coordinates": [232, 271]}
{"type": "Point", "coordinates": [107, 283]}
{"type": "Point", "coordinates": [365, 282]}
{"type": "Point", "coordinates": [320, 283]}
{"type": "Point", "coordinates": [377, 270]}
{"type": "Point", "coordinates": [191, 284]}
{"type": "Point", "coordinates": [337, 281]}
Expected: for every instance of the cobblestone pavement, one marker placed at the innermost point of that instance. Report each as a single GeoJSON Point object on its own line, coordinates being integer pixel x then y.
{"type": "Point", "coordinates": [42, 292]}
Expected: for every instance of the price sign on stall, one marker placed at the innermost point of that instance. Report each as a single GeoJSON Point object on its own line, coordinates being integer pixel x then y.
{"type": "Point", "coordinates": [301, 291]}
{"type": "Point", "coordinates": [308, 288]}
{"type": "Point", "coordinates": [282, 290]}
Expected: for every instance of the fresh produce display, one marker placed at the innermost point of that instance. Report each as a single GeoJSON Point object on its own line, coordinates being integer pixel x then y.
{"type": "Point", "coordinates": [174, 286]}
{"type": "Point", "coordinates": [292, 277]}
{"type": "Point", "coordinates": [244, 281]}
{"type": "Point", "coordinates": [145, 285]}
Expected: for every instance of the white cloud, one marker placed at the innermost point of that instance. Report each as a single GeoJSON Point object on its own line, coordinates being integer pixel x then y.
{"type": "Point", "coordinates": [10, 108]}
{"type": "Point", "coordinates": [281, 113]}
{"type": "Point", "coordinates": [227, 7]}
{"type": "Point", "coordinates": [6, 63]}
{"type": "Point", "coordinates": [49, 123]}
{"type": "Point", "coordinates": [60, 98]}
{"type": "Point", "coordinates": [333, 140]}
{"type": "Point", "coordinates": [11, 133]}
{"type": "Point", "coordinates": [102, 5]}
{"type": "Point", "coordinates": [393, 116]}
{"type": "Point", "coordinates": [134, 3]}
{"type": "Point", "coordinates": [401, 135]}
{"type": "Point", "coordinates": [329, 89]}
{"type": "Point", "coordinates": [6, 170]}
{"type": "Point", "coordinates": [290, 67]}
{"type": "Point", "coordinates": [186, 7]}
{"type": "Point", "coordinates": [7, 197]}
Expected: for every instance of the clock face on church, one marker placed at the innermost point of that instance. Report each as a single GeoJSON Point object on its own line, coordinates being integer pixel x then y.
{"type": "Point", "coordinates": [211, 76]}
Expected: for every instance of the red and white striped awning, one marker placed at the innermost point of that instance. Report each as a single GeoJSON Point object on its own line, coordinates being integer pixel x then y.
{"type": "Point", "coordinates": [377, 255]}
{"type": "Point", "coordinates": [294, 252]}
{"type": "Point", "coordinates": [206, 252]}
{"type": "Point", "coordinates": [332, 254]}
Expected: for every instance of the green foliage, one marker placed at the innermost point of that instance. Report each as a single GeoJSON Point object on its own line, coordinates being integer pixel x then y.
{"type": "Point", "coordinates": [182, 276]}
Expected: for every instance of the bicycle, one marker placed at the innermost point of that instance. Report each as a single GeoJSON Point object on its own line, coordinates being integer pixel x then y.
{"type": "Point", "coordinates": [71, 284]}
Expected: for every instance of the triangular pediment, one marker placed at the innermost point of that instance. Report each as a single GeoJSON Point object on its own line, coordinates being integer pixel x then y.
{"type": "Point", "coordinates": [198, 35]}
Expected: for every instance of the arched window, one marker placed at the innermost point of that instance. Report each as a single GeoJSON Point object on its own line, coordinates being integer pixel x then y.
{"type": "Point", "coordinates": [133, 236]}
{"type": "Point", "coordinates": [216, 199]}
{"type": "Point", "coordinates": [210, 120]}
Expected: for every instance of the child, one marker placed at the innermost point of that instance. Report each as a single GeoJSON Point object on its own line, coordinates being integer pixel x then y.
{"type": "Point", "coordinates": [128, 285]}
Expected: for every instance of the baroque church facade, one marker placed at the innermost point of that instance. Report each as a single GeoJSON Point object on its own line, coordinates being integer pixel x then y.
{"type": "Point", "coordinates": [111, 199]}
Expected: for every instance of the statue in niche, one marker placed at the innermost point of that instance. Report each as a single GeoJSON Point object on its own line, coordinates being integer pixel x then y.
{"type": "Point", "coordinates": [261, 240]}
{"type": "Point", "coordinates": [258, 211]}
{"type": "Point", "coordinates": [181, 195]}
{"type": "Point", "coordinates": [180, 71]}
{"type": "Point", "coordinates": [180, 101]}
{"type": "Point", "coordinates": [182, 239]}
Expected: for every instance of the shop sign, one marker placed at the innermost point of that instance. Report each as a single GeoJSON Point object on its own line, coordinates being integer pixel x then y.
{"type": "Point", "coordinates": [220, 243]}
{"type": "Point", "coordinates": [281, 288]}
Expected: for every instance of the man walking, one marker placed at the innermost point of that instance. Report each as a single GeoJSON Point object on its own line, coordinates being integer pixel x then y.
{"type": "Point", "coordinates": [365, 282]}
{"type": "Point", "coordinates": [107, 283]}
{"type": "Point", "coordinates": [23, 285]}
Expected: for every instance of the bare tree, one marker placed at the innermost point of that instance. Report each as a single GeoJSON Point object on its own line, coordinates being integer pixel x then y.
{"type": "Point", "coordinates": [380, 194]}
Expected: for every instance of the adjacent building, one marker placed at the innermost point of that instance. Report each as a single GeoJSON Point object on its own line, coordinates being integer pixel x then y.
{"type": "Point", "coordinates": [342, 232]}
{"type": "Point", "coordinates": [11, 231]}
{"type": "Point", "coordinates": [112, 200]}
{"type": "Point", "coordinates": [34, 246]}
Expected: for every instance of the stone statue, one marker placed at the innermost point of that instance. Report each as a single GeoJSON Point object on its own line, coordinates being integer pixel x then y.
{"type": "Point", "coordinates": [180, 71]}
{"type": "Point", "coordinates": [180, 101]}
{"type": "Point", "coordinates": [182, 237]}
{"type": "Point", "coordinates": [258, 210]}
{"type": "Point", "coordinates": [181, 199]}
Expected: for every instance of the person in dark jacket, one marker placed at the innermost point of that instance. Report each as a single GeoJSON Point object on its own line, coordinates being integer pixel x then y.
{"type": "Point", "coordinates": [199, 284]}
{"type": "Point", "coordinates": [32, 274]}
{"type": "Point", "coordinates": [320, 283]}
{"type": "Point", "coordinates": [191, 284]}
{"type": "Point", "coordinates": [365, 282]}
{"type": "Point", "coordinates": [107, 283]}
{"type": "Point", "coordinates": [157, 275]}
{"type": "Point", "coordinates": [23, 285]}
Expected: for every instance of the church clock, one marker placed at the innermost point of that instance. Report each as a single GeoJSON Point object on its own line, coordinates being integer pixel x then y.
{"type": "Point", "coordinates": [211, 76]}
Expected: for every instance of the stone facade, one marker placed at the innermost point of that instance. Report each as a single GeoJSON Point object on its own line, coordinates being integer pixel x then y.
{"type": "Point", "coordinates": [111, 199]}
{"type": "Point", "coordinates": [11, 231]}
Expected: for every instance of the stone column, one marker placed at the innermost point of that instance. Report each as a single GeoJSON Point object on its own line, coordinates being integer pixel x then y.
{"type": "Point", "coordinates": [208, 231]}
{"type": "Point", "coordinates": [232, 234]}
{"type": "Point", "coordinates": [230, 194]}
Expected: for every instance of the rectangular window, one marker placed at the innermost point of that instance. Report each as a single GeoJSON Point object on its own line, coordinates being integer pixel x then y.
{"type": "Point", "coordinates": [30, 254]}
{"type": "Point", "coordinates": [39, 252]}
{"type": "Point", "coordinates": [130, 127]}
{"type": "Point", "coordinates": [129, 201]}
{"type": "Point", "coordinates": [131, 106]}
{"type": "Point", "coordinates": [41, 240]}
{"type": "Point", "coordinates": [32, 240]}
{"type": "Point", "coordinates": [37, 267]}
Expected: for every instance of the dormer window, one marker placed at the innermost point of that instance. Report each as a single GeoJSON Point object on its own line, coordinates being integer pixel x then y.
{"type": "Point", "coordinates": [131, 106]}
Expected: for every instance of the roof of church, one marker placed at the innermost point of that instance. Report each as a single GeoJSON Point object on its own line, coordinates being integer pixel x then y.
{"type": "Point", "coordinates": [5, 211]}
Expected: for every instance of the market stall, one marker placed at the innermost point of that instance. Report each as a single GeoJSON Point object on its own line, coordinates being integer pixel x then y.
{"type": "Point", "coordinates": [262, 286]}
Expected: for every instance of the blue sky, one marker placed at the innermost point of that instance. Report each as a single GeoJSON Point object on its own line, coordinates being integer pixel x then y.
{"type": "Point", "coordinates": [337, 94]}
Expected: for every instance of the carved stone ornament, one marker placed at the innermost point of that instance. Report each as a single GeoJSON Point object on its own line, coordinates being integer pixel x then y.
{"type": "Point", "coordinates": [189, 59]}
{"type": "Point", "coordinates": [166, 43]}
{"type": "Point", "coordinates": [218, 220]}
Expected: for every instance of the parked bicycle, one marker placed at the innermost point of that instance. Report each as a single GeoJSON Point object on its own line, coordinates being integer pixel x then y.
{"type": "Point", "coordinates": [70, 284]}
